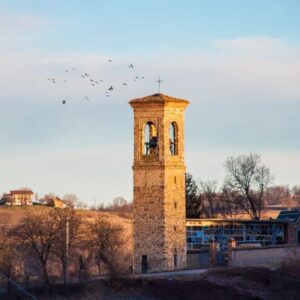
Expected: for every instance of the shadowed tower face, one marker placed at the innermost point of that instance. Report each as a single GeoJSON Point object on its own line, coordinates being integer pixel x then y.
{"type": "Point", "coordinates": [159, 233]}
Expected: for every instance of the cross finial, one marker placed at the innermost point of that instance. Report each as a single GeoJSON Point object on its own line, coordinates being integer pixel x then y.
{"type": "Point", "coordinates": [159, 81]}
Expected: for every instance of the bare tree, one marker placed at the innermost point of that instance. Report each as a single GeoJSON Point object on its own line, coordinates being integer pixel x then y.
{"type": "Point", "coordinates": [70, 200]}
{"type": "Point", "coordinates": [119, 202]}
{"type": "Point", "coordinates": [68, 223]}
{"type": "Point", "coordinates": [40, 233]}
{"type": "Point", "coordinates": [296, 194]}
{"type": "Point", "coordinates": [228, 206]}
{"type": "Point", "coordinates": [278, 195]}
{"type": "Point", "coordinates": [9, 260]}
{"type": "Point", "coordinates": [248, 179]}
{"type": "Point", "coordinates": [48, 199]}
{"type": "Point", "coordinates": [119, 205]}
{"type": "Point", "coordinates": [210, 198]}
{"type": "Point", "coordinates": [106, 241]}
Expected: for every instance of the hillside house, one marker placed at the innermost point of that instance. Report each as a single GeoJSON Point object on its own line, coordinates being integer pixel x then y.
{"type": "Point", "coordinates": [17, 197]}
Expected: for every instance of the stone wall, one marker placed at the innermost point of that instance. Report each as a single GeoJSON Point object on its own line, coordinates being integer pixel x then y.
{"type": "Point", "coordinates": [242, 257]}
{"type": "Point", "coordinates": [159, 229]}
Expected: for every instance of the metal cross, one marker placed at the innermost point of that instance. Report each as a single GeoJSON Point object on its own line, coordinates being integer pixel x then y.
{"type": "Point", "coordinates": [159, 81]}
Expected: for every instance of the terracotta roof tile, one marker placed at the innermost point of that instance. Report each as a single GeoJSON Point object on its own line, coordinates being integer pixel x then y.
{"type": "Point", "coordinates": [18, 192]}
{"type": "Point", "coordinates": [158, 98]}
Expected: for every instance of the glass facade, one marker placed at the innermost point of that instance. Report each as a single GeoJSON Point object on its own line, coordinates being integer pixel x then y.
{"type": "Point", "coordinates": [199, 233]}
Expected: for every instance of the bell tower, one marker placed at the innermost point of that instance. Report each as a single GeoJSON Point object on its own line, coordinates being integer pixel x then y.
{"type": "Point", "coordinates": [159, 230]}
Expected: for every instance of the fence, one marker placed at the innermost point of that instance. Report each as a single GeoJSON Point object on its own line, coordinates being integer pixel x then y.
{"type": "Point", "coordinates": [252, 256]}
{"type": "Point", "coordinates": [18, 289]}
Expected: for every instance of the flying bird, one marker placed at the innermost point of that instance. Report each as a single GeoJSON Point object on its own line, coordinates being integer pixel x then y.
{"type": "Point", "coordinates": [130, 66]}
{"type": "Point", "coordinates": [124, 83]}
{"type": "Point", "coordinates": [109, 60]}
{"type": "Point", "coordinates": [64, 102]}
{"type": "Point", "coordinates": [111, 88]}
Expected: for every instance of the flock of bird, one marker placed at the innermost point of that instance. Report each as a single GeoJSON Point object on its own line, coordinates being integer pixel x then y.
{"type": "Point", "coordinates": [94, 82]}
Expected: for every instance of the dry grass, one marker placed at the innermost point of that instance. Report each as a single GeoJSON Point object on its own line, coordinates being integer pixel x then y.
{"type": "Point", "coordinates": [12, 215]}
{"type": "Point", "coordinates": [146, 289]}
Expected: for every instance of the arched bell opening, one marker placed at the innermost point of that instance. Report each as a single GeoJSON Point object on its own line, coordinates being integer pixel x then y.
{"type": "Point", "coordinates": [173, 138]}
{"type": "Point", "coordinates": [150, 139]}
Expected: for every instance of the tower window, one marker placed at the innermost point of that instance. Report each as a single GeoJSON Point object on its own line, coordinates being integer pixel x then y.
{"type": "Point", "coordinates": [150, 139]}
{"type": "Point", "coordinates": [173, 138]}
{"type": "Point", "coordinates": [175, 204]}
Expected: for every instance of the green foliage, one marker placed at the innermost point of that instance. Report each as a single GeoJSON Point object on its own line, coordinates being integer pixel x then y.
{"type": "Point", "coordinates": [192, 197]}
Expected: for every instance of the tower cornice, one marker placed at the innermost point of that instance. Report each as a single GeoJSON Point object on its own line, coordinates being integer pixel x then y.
{"type": "Point", "coordinates": [158, 99]}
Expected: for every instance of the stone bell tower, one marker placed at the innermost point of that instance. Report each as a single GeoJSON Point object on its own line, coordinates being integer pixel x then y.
{"type": "Point", "coordinates": [159, 230]}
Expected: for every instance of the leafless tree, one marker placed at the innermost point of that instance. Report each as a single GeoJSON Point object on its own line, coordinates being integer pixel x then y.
{"type": "Point", "coordinates": [48, 199]}
{"type": "Point", "coordinates": [119, 205]}
{"type": "Point", "coordinates": [248, 179]}
{"type": "Point", "coordinates": [68, 223]}
{"type": "Point", "coordinates": [228, 206]}
{"type": "Point", "coordinates": [106, 241]}
{"type": "Point", "coordinates": [9, 259]}
{"type": "Point", "coordinates": [296, 194]}
{"type": "Point", "coordinates": [210, 198]}
{"type": "Point", "coordinates": [40, 233]}
{"type": "Point", "coordinates": [278, 195]}
{"type": "Point", "coordinates": [70, 200]}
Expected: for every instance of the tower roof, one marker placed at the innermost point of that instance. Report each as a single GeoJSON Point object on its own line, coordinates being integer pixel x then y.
{"type": "Point", "coordinates": [158, 98]}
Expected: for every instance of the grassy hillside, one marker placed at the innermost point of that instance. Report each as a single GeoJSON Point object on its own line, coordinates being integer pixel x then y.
{"type": "Point", "coordinates": [12, 215]}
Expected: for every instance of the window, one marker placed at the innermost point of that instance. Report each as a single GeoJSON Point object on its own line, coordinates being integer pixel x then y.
{"type": "Point", "coordinates": [150, 139]}
{"type": "Point", "coordinates": [173, 138]}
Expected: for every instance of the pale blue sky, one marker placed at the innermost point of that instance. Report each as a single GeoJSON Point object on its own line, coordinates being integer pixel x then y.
{"type": "Point", "coordinates": [238, 62]}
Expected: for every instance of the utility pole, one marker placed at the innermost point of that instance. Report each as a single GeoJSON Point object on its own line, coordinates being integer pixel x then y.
{"type": "Point", "coordinates": [67, 251]}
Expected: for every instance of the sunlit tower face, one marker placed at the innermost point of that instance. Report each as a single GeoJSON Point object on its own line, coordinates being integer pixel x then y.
{"type": "Point", "coordinates": [159, 233]}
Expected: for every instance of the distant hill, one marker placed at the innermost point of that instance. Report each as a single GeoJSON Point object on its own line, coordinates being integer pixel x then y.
{"type": "Point", "coordinates": [12, 215]}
